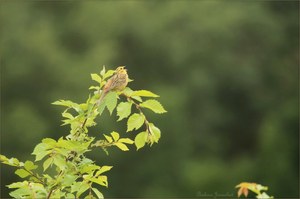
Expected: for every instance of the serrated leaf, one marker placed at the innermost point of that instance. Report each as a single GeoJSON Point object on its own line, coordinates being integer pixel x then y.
{"type": "Point", "coordinates": [144, 93]}
{"type": "Point", "coordinates": [12, 161]}
{"type": "Point", "coordinates": [60, 162]}
{"type": "Point", "coordinates": [96, 77]}
{"type": "Point", "coordinates": [155, 132]}
{"type": "Point", "coordinates": [127, 91]}
{"type": "Point", "coordinates": [67, 115]}
{"type": "Point", "coordinates": [47, 163]}
{"type": "Point", "coordinates": [101, 180]}
{"type": "Point", "coordinates": [49, 141]}
{"type": "Point", "coordinates": [30, 165]}
{"type": "Point", "coordinates": [69, 179]}
{"type": "Point", "coordinates": [98, 193]}
{"type": "Point", "coordinates": [22, 173]}
{"type": "Point", "coordinates": [137, 98]}
{"type": "Point", "coordinates": [153, 105]}
{"type": "Point", "coordinates": [15, 162]}
{"type": "Point", "coordinates": [108, 138]}
{"type": "Point", "coordinates": [17, 184]}
{"type": "Point", "coordinates": [126, 140]}
{"type": "Point", "coordinates": [135, 121]}
{"type": "Point", "coordinates": [108, 74]}
{"type": "Point", "coordinates": [123, 110]}
{"type": "Point", "coordinates": [82, 188]}
{"type": "Point", "coordinates": [111, 100]}
{"type": "Point", "coordinates": [101, 108]}
{"type": "Point", "coordinates": [23, 192]}
{"type": "Point", "coordinates": [140, 139]}
{"type": "Point", "coordinates": [115, 135]}
{"type": "Point", "coordinates": [103, 169]}
{"type": "Point", "coordinates": [67, 103]}
{"type": "Point", "coordinates": [40, 151]}
{"type": "Point", "coordinates": [121, 146]}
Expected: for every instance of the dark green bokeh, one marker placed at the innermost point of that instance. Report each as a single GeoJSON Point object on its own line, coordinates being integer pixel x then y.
{"type": "Point", "coordinates": [227, 73]}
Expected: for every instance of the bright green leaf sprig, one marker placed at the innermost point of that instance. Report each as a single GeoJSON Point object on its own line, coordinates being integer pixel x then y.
{"type": "Point", "coordinates": [67, 171]}
{"type": "Point", "coordinates": [135, 121]}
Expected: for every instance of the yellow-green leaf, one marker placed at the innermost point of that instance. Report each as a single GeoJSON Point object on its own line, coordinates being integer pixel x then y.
{"type": "Point", "coordinates": [108, 74]}
{"type": "Point", "coordinates": [98, 193]}
{"type": "Point", "coordinates": [94, 87]}
{"type": "Point", "coordinates": [30, 165]}
{"type": "Point", "coordinates": [126, 140]}
{"type": "Point", "coordinates": [22, 173]}
{"type": "Point", "coordinates": [115, 135]}
{"type": "Point", "coordinates": [121, 146]}
{"type": "Point", "coordinates": [103, 169]}
{"type": "Point", "coordinates": [111, 100]}
{"type": "Point", "coordinates": [153, 105]}
{"type": "Point", "coordinates": [135, 121]}
{"type": "Point", "coordinates": [108, 138]}
{"type": "Point", "coordinates": [155, 132]}
{"type": "Point", "coordinates": [140, 140]}
{"type": "Point", "coordinates": [124, 110]}
{"type": "Point", "coordinates": [96, 77]}
{"type": "Point", "coordinates": [144, 93]}
{"type": "Point", "coordinates": [47, 163]}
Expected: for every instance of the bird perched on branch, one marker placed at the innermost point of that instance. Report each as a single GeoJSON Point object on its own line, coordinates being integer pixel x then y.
{"type": "Point", "coordinates": [116, 83]}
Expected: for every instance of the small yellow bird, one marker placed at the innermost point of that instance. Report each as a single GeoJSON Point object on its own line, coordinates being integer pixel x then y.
{"type": "Point", "coordinates": [117, 82]}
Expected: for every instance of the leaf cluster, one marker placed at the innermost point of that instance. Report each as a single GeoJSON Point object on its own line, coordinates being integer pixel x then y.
{"type": "Point", "coordinates": [67, 171]}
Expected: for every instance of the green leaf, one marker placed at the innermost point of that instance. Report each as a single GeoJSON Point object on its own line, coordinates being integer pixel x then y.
{"type": "Point", "coordinates": [135, 121]}
{"type": "Point", "coordinates": [123, 110]}
{"type": "Point", "coordinates": [94, 87]}
{"type": "Point", "coordinates": [47, 163]}
{"type": "Point", "coordinates": [17, 184]}
{"type": "Point", "coordinates": [155, 132]}
{"type": "Point", "coordinates": [153, 105]}
{"type": "Point", "coordinates": [121, 146]}
{"type": "Point", "coordinates": [22, 173]}
{"type": "Point", "coordinates": [40, 151]}
{"type": "Point", "coordinates": [111, 100]}
{"type": "Point", "coordinates": [89, 168]}
{"type": "Point", "coordinates": [98, 193]}
{"type": "Point", "coordinates": [96, 77]}
{"type": "Point", "coordinates": [82, 188]}
{"type": "Point", "coordinates": [102, 72]}
{"type": "Point", "coordinates": [49, 141]}
{"type": "Point", "coordinates": [108, 74]}
{"type": "Point", "coordinates": [60, 162]}
{"type": "Point", "coordinates": [128, 91]}
{"type": "Point", "coordinates": [69, 179]}
{"type": "Point", "coordinates": [67, 103]}
{"type": "Point", "coordinates": [103, 169]}
{"type": "Point", "coordinates": [30, 165]}
{"type": "Point", "coordinates": [23, 192]}
{"type": "Point", "coordinates": [67, 115]}
{"type": "Point", "coordinates": [140, 140]}
{"type": "Point", "coordinates": [108, 138]}
{"type": "Point", "coordinates": [12, 161]}
{"type": "Point", "coordinates": [126, 140]}
{"type": "Point", "coordinates": [115, 135]}
{"type": "Point", "coordinates": [144, 93]}
{"type": "Point", "coordinates": [69, 195]}
{"type": "Point", "coordinates": [101, 108]}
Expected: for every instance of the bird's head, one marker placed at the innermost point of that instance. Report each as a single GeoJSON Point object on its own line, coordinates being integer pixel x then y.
{"type": "Point", "coordinates": [121, 70]}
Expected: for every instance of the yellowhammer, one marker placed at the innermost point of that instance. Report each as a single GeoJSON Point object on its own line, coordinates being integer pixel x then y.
{"type": "Point", "coordinates": [116, 83]}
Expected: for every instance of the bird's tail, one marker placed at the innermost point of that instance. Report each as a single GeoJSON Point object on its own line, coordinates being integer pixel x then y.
{"type": "Point", "coordinates": [103, 94]}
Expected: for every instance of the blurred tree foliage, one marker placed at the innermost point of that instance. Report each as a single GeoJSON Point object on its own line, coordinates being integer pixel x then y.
{"type": "Point", "coordinates": [226, 71]}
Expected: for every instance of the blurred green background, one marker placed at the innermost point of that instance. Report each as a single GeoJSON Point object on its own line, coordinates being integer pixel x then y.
{"type": "Point", "coordinates": [227, 73]}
